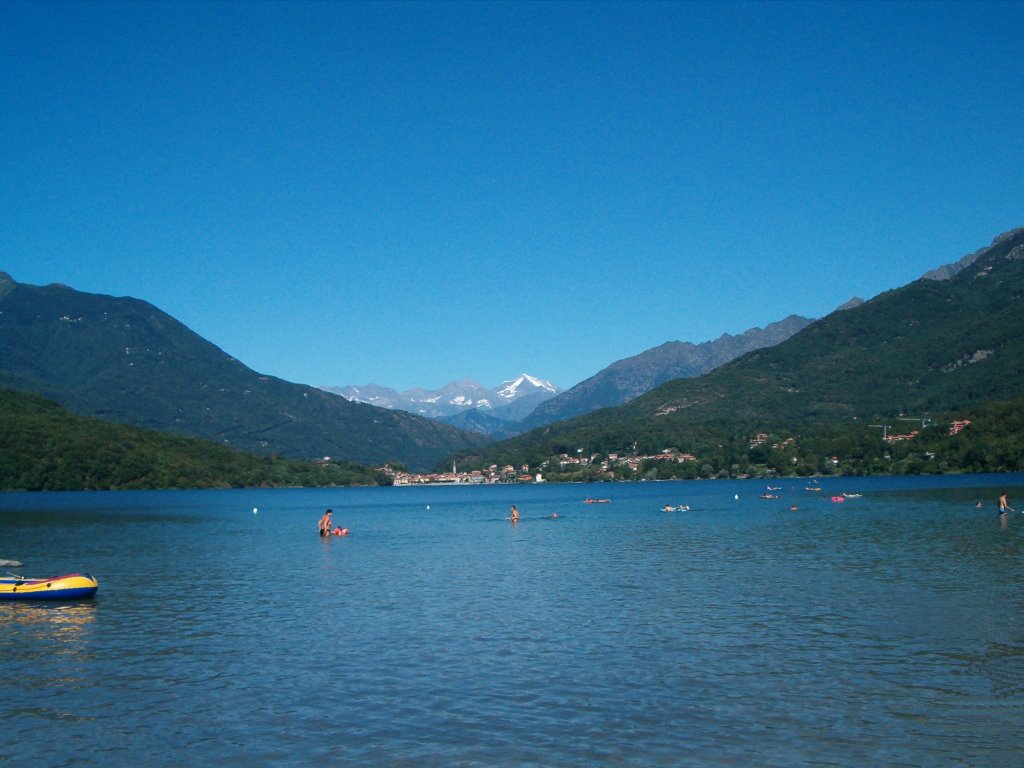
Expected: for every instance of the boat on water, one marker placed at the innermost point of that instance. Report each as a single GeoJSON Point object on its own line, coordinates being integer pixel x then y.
{"type": "Point", "coordinates": [853, 495]}
{"type": "Point", "coordinates": [71, 586]}
{"type": "Point", "coordinates": [769, 496]}
{"type": "Point", "coordinates": [597, 501]}
{"type": "Point", "coordinates": [681, 508]}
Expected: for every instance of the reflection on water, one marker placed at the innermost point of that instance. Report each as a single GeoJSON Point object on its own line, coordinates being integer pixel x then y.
{"type": "Point", "coordinates": [54, 645]}
{"type": "Point", "coordinates": [55, 613]}
{"type": "Point", "coordinates": [54, 627]}
{"type": "Point", "coordinates": [881, 631]}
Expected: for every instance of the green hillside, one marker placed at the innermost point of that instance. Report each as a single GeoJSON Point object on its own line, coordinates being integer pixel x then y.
{"type": "Point", "coordinates": [45, 448]}
{"type": "Point", "coordinates": [124, 360]}
{"type": "Point", "coordinates": [931, 348]}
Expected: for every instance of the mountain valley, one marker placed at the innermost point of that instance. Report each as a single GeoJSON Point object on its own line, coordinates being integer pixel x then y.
{"type": "Point", "coordinates": [945, 345]}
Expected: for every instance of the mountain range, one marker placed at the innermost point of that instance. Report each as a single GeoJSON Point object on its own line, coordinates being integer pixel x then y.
{"type": "Point", "coordinates": [947, 341]}
{"type": "Point", "coordinates": [936, 346]}
{"type": "Point", "coordinates": [124, 360]}
{"type": "Point", "coordinates": [526, 402]}
{"type": "Point", "coordinates": [509, 401]}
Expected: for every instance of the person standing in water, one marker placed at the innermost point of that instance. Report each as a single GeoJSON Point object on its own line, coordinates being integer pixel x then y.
{"type": "Point", "coordinates": [325, 523]}
{"type": "Point", "coordinates": [1003, 506]}
{"type": "Point", "coordinates": [514, 514]}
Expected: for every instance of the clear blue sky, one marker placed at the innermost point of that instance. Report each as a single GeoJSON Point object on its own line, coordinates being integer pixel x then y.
{"type": "Point", "coordinates": [408, 194]}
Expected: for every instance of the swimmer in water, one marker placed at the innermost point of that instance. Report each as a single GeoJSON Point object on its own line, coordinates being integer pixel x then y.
{"type": "Point", "coordinates": [514, 514]}
{"type": "Point", "coordinates": [324, 526]}
{"type": "Point", "coordinates": [1004, 507]}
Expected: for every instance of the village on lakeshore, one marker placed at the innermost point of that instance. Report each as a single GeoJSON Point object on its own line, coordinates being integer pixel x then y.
{"type": "Point", "coordinates": [614, 466]}
{"type": "Point", "coordinates": [523, 474]}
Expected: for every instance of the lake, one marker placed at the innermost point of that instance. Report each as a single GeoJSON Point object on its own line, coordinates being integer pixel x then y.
{"type": "Point", "coordinates": [883, 630]}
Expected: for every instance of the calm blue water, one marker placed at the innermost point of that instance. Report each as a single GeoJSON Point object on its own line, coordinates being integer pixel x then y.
{"type": "Point", "coordinates": [887, 630]}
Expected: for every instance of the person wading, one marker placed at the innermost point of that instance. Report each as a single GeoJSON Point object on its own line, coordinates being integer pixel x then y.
{"type": "Point", "coordinates": [324, 525]}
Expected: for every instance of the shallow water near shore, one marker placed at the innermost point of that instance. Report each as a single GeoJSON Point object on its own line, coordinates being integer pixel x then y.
{"type": "Point", "coordinates": [883, 630]}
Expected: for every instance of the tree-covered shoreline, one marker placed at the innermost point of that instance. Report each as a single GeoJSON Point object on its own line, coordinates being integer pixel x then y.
{"type": "Point", "coordinates": [45, 448]}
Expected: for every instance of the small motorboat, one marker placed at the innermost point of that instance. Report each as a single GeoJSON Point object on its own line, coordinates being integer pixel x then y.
{"type": "Point", "coordinates": [72, 586]}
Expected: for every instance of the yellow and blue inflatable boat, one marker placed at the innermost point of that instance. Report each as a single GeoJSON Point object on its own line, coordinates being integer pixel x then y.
{"type": "Point", "coordinates": [73, 586]}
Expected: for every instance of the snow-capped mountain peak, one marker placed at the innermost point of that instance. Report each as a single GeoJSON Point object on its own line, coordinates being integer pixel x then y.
{"type": "Point", "coordinates": [523, 385]}
{"type": "Point", "coordinates": [510, 400]}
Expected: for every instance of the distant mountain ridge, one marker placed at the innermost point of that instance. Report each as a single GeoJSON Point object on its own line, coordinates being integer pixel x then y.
{"type": "Point", "coordinates": [948, 271]}
{"type": "Point", "coordinates": [124, 360]}
{"type": "Point", "coordinates": [509, 401]}
{"type": "Point", "coordinates": [631, 377]}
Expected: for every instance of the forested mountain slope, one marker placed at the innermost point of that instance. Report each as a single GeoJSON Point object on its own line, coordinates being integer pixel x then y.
{"type": "Point", "coordinates": [45, 448]}
{"type": "Point", "coordinates": [930, 346]}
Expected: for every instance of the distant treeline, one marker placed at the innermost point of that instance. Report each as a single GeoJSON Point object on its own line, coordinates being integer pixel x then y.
{"type": "Point", "coordinates": [45, 448]}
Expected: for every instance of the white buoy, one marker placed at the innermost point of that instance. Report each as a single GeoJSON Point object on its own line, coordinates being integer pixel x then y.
{"type": "Point", "coordinates": [428, 506]}
{"type": "Point", "coordinates": [255, 510]}
{"type": "Point", "coordinates": [737, 497]}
